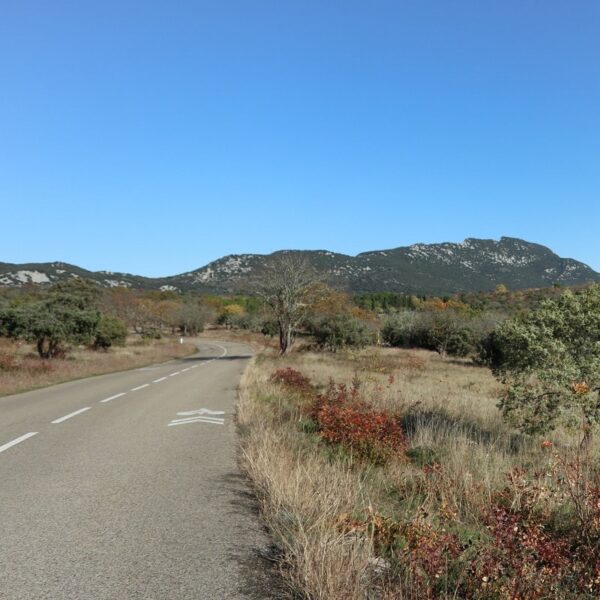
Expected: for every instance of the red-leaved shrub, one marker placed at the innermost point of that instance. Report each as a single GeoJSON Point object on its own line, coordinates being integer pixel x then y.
{"type": "Point", "coordinates": [527, 558]}
{"type": "Point", "coordinates": [367, 433]}
{"type": "Point", "coordinates": [293, 380]}
{"type": "Point", "coordinates": [8, 363]}
{"type": "Point", "coordinates": [428, 554]}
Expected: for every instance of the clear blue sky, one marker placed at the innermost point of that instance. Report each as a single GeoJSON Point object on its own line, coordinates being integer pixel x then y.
{"type": "Point", "coordinates": [154, 136]}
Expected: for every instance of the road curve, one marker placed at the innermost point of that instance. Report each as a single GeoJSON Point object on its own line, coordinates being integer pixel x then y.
{"type": "Point", "coordinates": [126, 486]}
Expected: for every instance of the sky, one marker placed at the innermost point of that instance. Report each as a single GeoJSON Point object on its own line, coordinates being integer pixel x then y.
{"type": "Point", "coordinates": [154, 136]}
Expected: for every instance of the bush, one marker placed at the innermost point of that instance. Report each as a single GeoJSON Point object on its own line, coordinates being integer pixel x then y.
{"type": "Point", "coordinates": [341, 331]}
{"type": "Point", "coordinates": [270, 328]}
{"type": "Point", "coordinates": [110, 331]}
{"type": "Point", "coordinates": [444, 331]}
{"type": "Point", "coordinates": [550, 361]}
{"type": "Point", "coordinates": [398, 330]}
{"type": "Point", "coordinates": [366, 433]}
{"type": "Point", "coordinates": [51, 324]}
{"type": "Point", "coordinates": [293, 380]}
{"type": "Point", "coordinates": [530, 554]}
{"type": "Point", "coordinates": [151, 333]}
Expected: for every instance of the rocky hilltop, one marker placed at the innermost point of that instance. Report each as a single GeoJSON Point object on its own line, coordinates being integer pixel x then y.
{"type": "Point", "coordinates": [472, 265]}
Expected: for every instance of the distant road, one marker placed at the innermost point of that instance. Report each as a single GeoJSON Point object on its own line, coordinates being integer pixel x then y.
{"type": "Point", "coordinates": [125, 486]}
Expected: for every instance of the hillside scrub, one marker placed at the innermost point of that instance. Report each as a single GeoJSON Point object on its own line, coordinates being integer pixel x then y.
{"type": "Point", "coordinates": [79, 312]}
{"type": "Point", "coordinates": [22, 370]}
{"type": "Point", "coordinates": [459, 506]}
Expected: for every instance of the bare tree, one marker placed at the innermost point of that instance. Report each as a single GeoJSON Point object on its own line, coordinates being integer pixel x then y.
{"type": "Point", "coordinates": [288, 288]}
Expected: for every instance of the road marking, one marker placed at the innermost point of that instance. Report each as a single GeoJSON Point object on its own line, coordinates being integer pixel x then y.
{"type": "Point", "coordinates": [73, 414]}
{"type": "Point", "coordinates": [184, 370]}
{"type": "Point", "coordinates": [217, 419]}
{"type": "Point", "coordinates": [159, 380]}
{"type": "Point", "coordinates": [173, 374]}
{"type": "Point", "coordinates": [139, 387]}
{"type": "Point", "coordinates": [212, 419]}
{"type": "Point", "coordinates": [200, 415]}
{"type": "Point", "coordinates": [195, 420]}
{"type": "Point", "coordinates": [17, 441]}
{"type": "Point", "coordinates": [113, 397]}
{"type": "Point", "coordinates": [200, 411]}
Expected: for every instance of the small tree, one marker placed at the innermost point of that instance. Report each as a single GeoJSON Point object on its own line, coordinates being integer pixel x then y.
{"type": "Point", "coordinates": [67, 315]}
{"type": "Point", "coordinates": [398, 330]}
{"type": "Point", "coordinates": [49, 325]}
{"type": "Point", "coordinates": [341, 331]}
{"type": "Point", "coordinates": [550, 361]}
{"type": "Point", "coordinates": [288, 291]}
{"type": "Point", "coordinates": [111, 331]}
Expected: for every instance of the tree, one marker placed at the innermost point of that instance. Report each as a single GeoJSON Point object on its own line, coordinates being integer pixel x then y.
{"type": "Point", "coordinates": [110, 331]}
{"type": "Point", "coordinates": [288, 290]}
{"type": "Point", "coordinates": [191, 317]}
{"type": "Point", "coordinates": [67, 315]}
{"type": "Point", "coordinates": [550, 361]}
{"type": "Point", "coordinates": [78, 292]}
{"type": "Point", "coordinates": [230, 315]}
{"type": "Point", "coordinates": [50, 325]}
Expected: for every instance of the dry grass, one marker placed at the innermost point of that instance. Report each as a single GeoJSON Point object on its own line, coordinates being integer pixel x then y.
{"type": "Point", "coordinates": [451, 420]}
{"type": "Point", "coordinates": [21, 369]}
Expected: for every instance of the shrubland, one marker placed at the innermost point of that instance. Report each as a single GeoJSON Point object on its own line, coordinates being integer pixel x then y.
{"type": "Point", "coordinates": [75, 329]}
{"type": "Point", "coordinates": [408, 473]}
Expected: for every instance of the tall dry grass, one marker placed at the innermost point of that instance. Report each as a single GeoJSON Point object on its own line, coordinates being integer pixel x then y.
{"type": "Point", "coordinates": [327, 511]}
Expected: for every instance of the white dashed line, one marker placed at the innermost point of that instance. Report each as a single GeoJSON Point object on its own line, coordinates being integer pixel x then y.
{"type": "Point", "coordinates": [113, 397]}
{"type": "Point", "coordinates": [17, 441]}
{"type": "Point", "coordinates": [159, 380]}
{"type": "Point", "coordinates": [140, 387]}
{"type": "Point", "coordinates": [173, 374]}
{"type": "Point", "coordinates": [184, 370]}
{"type": "Point", "coordinates": [73, 414]}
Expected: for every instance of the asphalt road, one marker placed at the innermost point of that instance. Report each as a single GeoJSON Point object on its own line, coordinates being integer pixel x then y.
{"type": "Point", "coordinates": [118, 496]}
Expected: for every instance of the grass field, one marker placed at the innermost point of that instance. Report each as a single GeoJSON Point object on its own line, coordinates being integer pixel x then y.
{"type": "Point", "coordinates": [21, 369]}
{"type": "Point", "coordinates": [464, 507]}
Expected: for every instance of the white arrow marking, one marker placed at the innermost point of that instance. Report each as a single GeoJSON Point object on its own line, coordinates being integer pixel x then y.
{"type": "Point", "coordinates": [200, 411]}
{"type": "Point", "coordinates": [196, 420]}
{"type": "Point", "coordinates": [198, 417]}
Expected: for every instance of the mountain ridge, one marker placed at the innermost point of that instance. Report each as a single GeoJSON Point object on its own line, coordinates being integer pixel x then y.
{"type": "Point", "coordinates": [441, 268]}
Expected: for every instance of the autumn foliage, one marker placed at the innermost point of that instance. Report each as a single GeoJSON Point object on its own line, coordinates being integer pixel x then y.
{"type": "Point", "coordinates": [292, 380]}
{"type": "Point", "coordinates": [366, 433]}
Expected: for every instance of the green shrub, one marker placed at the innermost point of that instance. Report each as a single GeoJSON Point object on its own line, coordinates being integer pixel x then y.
{"type": "Point", "coordinates": [111, 331]}
{"type": "Point", "coordinates": [550, 361]}
{"type": "Point", "coordinates": [151, 333]}
{"type": "Point", "coordinates": [51, 324]}
{"type": "Point", "coordinates": [342, 331]}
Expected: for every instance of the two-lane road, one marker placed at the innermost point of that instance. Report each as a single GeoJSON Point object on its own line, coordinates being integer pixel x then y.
{"type": "Point", "coordinates": [126, 486]}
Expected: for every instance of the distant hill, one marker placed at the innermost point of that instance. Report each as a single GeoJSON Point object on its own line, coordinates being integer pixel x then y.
{"type": "Point", "coordinates": [473, 265]}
